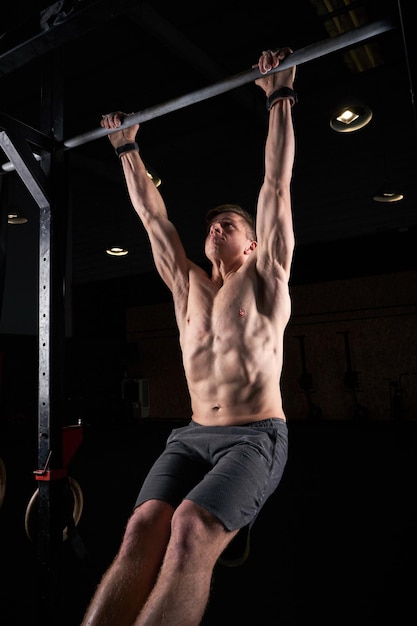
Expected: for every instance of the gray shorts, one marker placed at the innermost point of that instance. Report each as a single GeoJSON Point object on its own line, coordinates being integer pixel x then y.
{"type": "Point", "coordinates": [228, 470]}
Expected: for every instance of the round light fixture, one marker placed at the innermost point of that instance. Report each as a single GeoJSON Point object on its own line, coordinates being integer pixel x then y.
{"type": "Point", "coordinates": [15, 218]}
{"type": "Point", "coordinates": [349, 118]}
{"type": "Point", "coordinates": [116, 251]}
{"type": "Point", "coordinates": [155, 178]}
{"type": "Point", "coordinates": [388, 196]}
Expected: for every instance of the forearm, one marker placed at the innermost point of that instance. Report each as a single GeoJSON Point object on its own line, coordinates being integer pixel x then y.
{"type": "Point", "coordinates": [274, 213]}
{"type": "Point", "coordinates": [144, 195]}
{"type": "Point", "coordinates": [280, 146]}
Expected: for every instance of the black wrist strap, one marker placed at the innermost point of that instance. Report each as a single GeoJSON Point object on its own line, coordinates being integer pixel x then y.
{"type": "Point", "coordinates": [279, 94]}
{"type": "Point", "coordinates": [127, 147]}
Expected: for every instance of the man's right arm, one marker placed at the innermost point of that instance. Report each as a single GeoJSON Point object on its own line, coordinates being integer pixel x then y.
{"type": "Point", "coordinates": [167, 249]}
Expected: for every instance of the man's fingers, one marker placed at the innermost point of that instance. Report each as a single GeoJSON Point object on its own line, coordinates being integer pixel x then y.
{"type": "Point", "coordinates": [111, 120]}
{"type": "Point", "coordinates": [270, 59]}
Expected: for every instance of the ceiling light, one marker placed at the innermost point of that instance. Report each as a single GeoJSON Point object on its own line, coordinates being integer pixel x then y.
{"type": "Point", "coordinates": [155, 178]}
{"type": "Point", "coordinates": [348, 118]}
{"type": "Point", "coordinates": [116, 251]}
{"type": "Point", "coordinates": [387, 194]}
{"type": "Point", "coordinates": [15, 218]}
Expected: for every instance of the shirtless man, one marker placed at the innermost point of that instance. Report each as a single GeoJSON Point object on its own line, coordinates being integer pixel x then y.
{"type": "Point", "coordinates": [215, 473]}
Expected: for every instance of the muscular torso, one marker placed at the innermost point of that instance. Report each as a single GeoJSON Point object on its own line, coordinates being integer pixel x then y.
{"type": "Point", "coordinates": [231, 338]}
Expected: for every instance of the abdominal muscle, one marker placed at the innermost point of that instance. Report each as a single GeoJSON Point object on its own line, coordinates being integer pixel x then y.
{"type": "Point", "coordinates": [232, 357]}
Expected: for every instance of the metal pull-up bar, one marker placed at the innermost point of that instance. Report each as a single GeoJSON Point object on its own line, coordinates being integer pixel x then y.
{"type": "Point", "coordinates": [303, 55]}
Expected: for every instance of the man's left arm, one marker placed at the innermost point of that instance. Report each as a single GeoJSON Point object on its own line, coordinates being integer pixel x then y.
{"type": "Point", "coordinates": [274, 211]}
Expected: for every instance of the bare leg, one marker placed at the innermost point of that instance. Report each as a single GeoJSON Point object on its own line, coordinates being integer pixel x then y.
{"type": "Point", "coordinates": [127, 583]}
{"type": "Point", "coordinates": [181, 593]}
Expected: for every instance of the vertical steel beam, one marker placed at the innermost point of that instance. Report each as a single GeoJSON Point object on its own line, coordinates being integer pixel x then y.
{"type": "Point", "coordinates": [52, 260]}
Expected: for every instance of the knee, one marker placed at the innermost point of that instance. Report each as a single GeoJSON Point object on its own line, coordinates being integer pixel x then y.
{"type": "Point", "coordinates": [148, 523]}
{"type": "Point", "coordinates": [193, 530]}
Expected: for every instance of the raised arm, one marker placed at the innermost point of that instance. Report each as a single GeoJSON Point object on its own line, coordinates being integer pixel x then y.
{"type": "Point", "coordinates": [168, 252]}
{"type": "Point", "coordinates": [274, 223]}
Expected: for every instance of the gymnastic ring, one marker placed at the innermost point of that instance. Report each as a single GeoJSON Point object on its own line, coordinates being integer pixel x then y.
{"type": "Point", "coordinates": [2, 481]}
{"type": "Point", "coordinates": [77, 494]}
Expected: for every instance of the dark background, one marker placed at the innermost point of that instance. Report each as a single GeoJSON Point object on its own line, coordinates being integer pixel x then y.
{"type": "Point", "coordinates": [336, 544]}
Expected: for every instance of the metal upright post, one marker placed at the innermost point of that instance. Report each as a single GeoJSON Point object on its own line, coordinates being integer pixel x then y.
{"type": "Point", "coordinates": [51, 474]}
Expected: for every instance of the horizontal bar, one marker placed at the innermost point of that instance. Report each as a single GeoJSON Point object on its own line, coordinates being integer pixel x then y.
{"type": "Point", "coordinates": [303, 55]}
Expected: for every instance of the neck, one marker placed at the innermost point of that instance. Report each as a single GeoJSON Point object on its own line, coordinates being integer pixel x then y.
{"type": "Point", "coordinates": [220, 274]}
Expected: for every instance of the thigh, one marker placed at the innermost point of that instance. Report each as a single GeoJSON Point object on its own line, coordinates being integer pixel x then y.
{"type": "Point", "coordinates": [172, 476]}
{"type": "Point", "coordinates": [243, 477]}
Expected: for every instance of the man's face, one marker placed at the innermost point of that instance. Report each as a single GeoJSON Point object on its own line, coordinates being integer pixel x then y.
{"type": "Point", "coordinates": [227, 236]}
